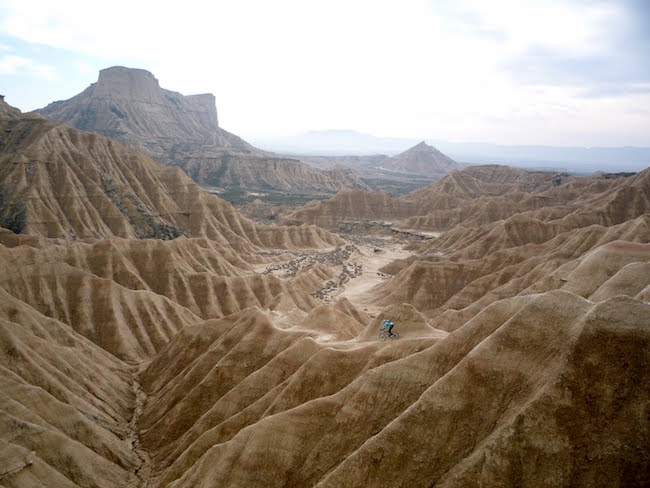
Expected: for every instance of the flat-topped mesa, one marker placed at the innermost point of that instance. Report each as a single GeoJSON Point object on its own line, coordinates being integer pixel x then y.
{"type": "Point", "coordinates": [128, 104]}
{"type": "Point", "coordinates": [139, 85]}
{"type": "Point", "coordinates": [121, 82]}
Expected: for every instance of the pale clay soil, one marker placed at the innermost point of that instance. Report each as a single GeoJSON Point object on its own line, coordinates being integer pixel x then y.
{"type": "Point", "coordinates": [358, 290]}
{"type": "Point", "coordinates": [357, 287]}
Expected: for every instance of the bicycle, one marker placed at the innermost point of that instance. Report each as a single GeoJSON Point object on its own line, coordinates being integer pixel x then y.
{"type": "Point", "coordinates": [383, 336]}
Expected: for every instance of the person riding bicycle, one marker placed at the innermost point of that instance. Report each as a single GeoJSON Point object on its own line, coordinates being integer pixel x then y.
{"type": "Point", "coordinates": [388, 325]}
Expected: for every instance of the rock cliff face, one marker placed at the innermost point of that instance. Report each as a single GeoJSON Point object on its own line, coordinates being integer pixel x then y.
{"type": "Point", "coordinates": [421, 159]}
{"type": "Point", "coordinates": [129, 105]}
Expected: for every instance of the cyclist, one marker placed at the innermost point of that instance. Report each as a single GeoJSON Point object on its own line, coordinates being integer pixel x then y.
{"type": "Point", "coordinates": [388, 325]}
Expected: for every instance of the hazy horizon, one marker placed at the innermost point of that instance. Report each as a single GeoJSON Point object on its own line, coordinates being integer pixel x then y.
{"type": "Point", "coordinates": [565, 74]}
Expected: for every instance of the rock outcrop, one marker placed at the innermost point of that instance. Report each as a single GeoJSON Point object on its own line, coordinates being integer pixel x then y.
{"type": "Point", "coordinates": [129, 105]}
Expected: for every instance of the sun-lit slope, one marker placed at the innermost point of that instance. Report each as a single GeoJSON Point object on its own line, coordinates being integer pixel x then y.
{"type": "Point", "coordinates": [76, 184]}
{"type": "Point", "coordinates": [297, 413]}
{"type": "Point", "coordinates": [527, 407]}
{"type": "Point", "coordinates": [626, 199]}
{"type": "Point", "coordinates": [128, 323]}
{"type": "Point", "coordinates": [490, 180]}
{"type": "Point", "coordinates": [500, 259]}
{"type": "Point", "coordinates": [448, 213]}
{"type": "Point", "coordinates": [64, 408]}
{"type": "Point", "coordinates": [590, 275]}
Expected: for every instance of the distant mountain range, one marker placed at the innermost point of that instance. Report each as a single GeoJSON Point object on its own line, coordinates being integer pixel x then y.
{"type": "Point", "coordinates": [576, 159]}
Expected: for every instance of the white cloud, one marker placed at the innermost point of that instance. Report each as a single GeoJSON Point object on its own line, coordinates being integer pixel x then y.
{"type": "Point", "coordinates": [402, 68]}
{"type": "Point", "coordinates": [85, 68]}
{"type": "Point", "coordinates": [14, 65]}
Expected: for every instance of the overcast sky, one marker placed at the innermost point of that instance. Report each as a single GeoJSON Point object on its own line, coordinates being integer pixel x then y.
{"type": "Point", "coordinates": [553, 72]}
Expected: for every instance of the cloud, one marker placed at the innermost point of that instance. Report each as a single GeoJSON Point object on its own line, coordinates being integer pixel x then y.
{"type": "Point", "coordinates": [18, 65]}
{"type": "Point", "coordinates": [610, 60]}
{"type": "Point", "coordinates": [596, 72]}
{"type": "Point", "coordinates": [414, 68]}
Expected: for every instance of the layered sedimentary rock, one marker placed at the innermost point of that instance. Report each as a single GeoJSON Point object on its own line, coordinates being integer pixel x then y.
{"type": "Point", "coordinates": [129, 105]}
{"type": "Point", "coordinates": [475, 196]}
{"type": "Point", "coordinates": [357, 205]}
{"type": "Point", "coordinates": [421, 159]}
{"type": "Point", "coordinates": [74, 184]}
{"type": "Point", "coordinates": [470, 264]}
{"type": "Point", "coordinates": [209, 360]}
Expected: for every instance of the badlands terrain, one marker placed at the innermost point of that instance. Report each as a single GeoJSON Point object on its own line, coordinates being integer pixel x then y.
{"type": "Point", "coordinates": [129, 106]}
{"type": "Point", "coordinates": [153, 336]}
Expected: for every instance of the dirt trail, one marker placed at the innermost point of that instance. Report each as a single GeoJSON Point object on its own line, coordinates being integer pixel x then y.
{"type": "Point", "coordinates": [358, 264]}
{"type": "Point", "coordinates": [358, 288]}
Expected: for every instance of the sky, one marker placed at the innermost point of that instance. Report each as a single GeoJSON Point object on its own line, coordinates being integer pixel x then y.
{"type": "Point", "coordinates": [557, 72]}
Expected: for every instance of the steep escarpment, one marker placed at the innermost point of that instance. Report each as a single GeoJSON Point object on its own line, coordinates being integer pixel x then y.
{"type": "Point", "coordinates": [129, 105]}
